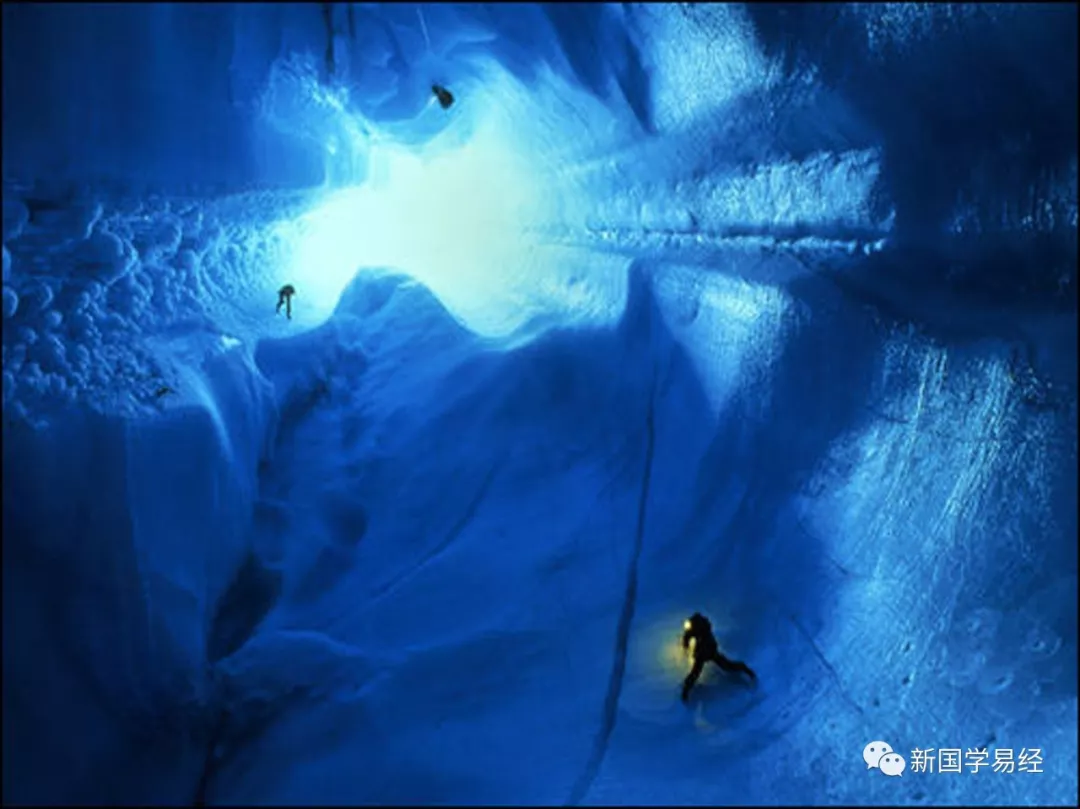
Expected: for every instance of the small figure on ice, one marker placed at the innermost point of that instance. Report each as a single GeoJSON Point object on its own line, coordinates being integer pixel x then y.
{"type": "Point", "coordinates": [445, 97]}
{"type": "Point", "coordinates": [284, 298]}
{"type": "Point", "coordinates": [705, 649]}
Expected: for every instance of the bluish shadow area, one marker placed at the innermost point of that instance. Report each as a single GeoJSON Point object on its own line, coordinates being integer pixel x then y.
{"type": "Point", "coordinates": [148, 97]}
{"type": "Point", "coordinates": [81, 696]}
{"type": "Point", "coordinates": [599, 50]}
{"type": "Point", "coordinates": [209, 98]}
{"type": "Point", "coordinates": [778, 432]}
{"type": "Point", "coordinates": [976, 111]}
{"type": "Point", "coordinates": [588, 44]}
{"type": "Point", "coordinates": [124, 573]}
{"type": "Point", "coordinates": [622, 413]}
{"type": "Point", "coordinates": [725, 536]}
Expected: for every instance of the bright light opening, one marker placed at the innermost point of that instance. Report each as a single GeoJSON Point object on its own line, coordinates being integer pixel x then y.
{"type": "Point", "coordinates": [454, 215]}
{"type": "Point", "coordinates": [449, 221]}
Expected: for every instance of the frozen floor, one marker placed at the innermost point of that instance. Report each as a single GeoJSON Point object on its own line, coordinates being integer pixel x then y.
{"type": "Point", "coordinates": [468, 566]}
{"type": "Point", "coordinates": [487, 559]}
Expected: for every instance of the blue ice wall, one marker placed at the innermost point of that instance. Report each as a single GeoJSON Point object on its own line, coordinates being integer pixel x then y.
{"type": "Point", "coordinates": [767, 312]}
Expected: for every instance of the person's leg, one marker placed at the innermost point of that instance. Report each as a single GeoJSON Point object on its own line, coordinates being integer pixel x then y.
{"type": "Point", "coordinates": [692, 677]}
{"type": "Point", "coordinates": [733, 666]}
{"type": "Point", "coordinates": [288, 307]}
{"type": "Point", "coordinates": [280, 302]}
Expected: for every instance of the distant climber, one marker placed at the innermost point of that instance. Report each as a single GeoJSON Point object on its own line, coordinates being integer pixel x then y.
{"type": "Point", "coordinates": [445, 97]}
{"type": "Point", "coordinates": [705, 650]}
{"type": "Point", "coordinates": [284, 298]}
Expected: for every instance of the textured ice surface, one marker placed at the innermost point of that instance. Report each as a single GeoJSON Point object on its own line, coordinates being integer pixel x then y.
{"type": "Point", "coordinates": [766, 311]}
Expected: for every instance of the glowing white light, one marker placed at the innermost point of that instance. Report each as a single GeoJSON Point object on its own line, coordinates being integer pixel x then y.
{"type": "Point", "coordinates": [465, 214]}
{"type": "Point", "coordinates": [453, 218]}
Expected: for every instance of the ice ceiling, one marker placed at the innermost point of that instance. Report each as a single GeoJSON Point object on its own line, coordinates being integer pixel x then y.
{"type": "Point", "coordinates": [766, 311]}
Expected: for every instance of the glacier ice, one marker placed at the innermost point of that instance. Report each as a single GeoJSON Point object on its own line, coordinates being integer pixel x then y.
{"type": "Point", "coordinates": [767, 311]}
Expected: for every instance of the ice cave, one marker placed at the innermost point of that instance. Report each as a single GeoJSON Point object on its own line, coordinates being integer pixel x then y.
{"type": "Point", "coordinates": [384, 385]}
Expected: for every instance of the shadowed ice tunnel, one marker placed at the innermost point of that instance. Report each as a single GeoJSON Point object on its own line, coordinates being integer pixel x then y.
{"type": "Point", "coordinates": [767, 312]}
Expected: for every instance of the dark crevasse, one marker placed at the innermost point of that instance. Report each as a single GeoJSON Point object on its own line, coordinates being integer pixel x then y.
{"type": "Point", "coordinates": [767, 312]}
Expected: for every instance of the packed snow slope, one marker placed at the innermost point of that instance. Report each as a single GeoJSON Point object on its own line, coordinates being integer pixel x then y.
{"type": "Point", "coordinates": [767, 312]}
